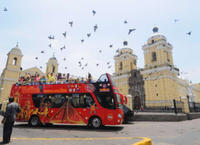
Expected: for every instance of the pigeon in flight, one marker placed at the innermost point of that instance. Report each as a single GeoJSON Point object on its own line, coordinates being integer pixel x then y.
{"type": "Point", "coordinates": [65, 67]}
{"type": "Point", "coordinates": [100, 51]}
{"type": "Point", "coordinates": [94, 12]}
{"type": "Point", "coordinates": [64, 34]}
{"type": "Point", "coordinates": [176, 20]}
{"type": "Point", "coordinates": [82, 68]}
{"type": "Point", "coordinates": [108, 63]}
{"type": "Point", "coordinates": [64, 59]}
{"type": "Point", "coordinates": [71, 23]}
{"type": "Point", "coordinates": [51, 37]}
{"type": "Point", "coordinates": [42, 51]}
{"type": "Point", "coordinates": [131, 30]}
{"type": "Point", "coordinates": [97, 64]}
{"type": "Point", "coordinates": [50, 45]}
{"type": "Point", "coordinates": [95, 28]}
{"type": "Point", "coordinates": [89, 34]}
{"type": "Point", "coordinates": [125, 22]}
{"type": "Point", "coordinates": [82, 58]}
{"type": "Point", "coordinates": [5, 9]}
{"type": "Point", "coordinates": [86, 64]}
{"type": "Point", "coordinates": [62, 48]}
{"type": "Point", "coordinates": [40, 67]}
{"type": "Point", "coordinates": [36, 58]}
{"type": "Point", "coordinates": [82, 40]}
{"type": "Point", "coordinates": [111, 46]}
{"type": "Point", "coordinates": [79, 63]}
{"type": "Point", "coordinates": [189, 33]}
{"type": "Point", "coordinates": [109, 67]}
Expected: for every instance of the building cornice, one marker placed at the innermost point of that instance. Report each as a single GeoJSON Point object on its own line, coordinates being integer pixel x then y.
{"type": "Point", "coordinates": [158, 69]}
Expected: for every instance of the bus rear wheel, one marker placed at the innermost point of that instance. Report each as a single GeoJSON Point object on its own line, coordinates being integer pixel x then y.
{"type": "Point", "coordinates": [34, 121]}
{"type": "Point", "coordinates": [95, 122]}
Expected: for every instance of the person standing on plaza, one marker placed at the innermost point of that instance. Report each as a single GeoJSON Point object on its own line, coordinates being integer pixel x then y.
{"type": "Point", "coordinates": [9, 118]}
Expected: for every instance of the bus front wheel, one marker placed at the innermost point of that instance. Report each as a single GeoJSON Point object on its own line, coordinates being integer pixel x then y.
{"type": "Point", "coordinates": [34, 121]}
{"type": "Point", "coordinates": [95, 122]}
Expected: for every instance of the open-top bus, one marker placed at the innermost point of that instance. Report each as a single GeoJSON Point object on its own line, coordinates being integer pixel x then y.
{"type": "Point", "coordinates": [93, 104]}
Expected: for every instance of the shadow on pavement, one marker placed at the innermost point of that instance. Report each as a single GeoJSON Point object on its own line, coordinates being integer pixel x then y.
{"type": "Point", "coordinates": [71, 127]}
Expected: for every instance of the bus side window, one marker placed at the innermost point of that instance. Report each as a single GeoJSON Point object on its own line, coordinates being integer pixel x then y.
{"type": "Point", "coordinates": [81, 100]}
{"type": "Point", "coordinates": [37, 100]}
{"type": "Point", "coordinates": [56, 100]}
{"type": "Point", "coordinates": [88, 100]}
{"type": "Point", "coordinates": [74, 100]}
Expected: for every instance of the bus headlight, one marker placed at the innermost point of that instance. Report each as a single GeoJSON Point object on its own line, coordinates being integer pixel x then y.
{"type": "Point", "coordinates": [119, 115]}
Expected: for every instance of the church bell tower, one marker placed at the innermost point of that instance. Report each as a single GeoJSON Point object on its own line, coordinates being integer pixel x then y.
{"type": "Point", "coordinates": [125, 61]}
{"type": "Point", "coordinates": [11, 72]}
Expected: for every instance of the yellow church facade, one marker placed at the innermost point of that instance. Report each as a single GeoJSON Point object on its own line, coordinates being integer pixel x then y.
{"type": "Point", "coordinates": [13, 70]}
{"type": "Point", "coordinates": [162, 83]}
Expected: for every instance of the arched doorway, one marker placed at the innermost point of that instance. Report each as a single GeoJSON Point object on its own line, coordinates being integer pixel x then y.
{"type": "Point", "coordinates": [136, 103]}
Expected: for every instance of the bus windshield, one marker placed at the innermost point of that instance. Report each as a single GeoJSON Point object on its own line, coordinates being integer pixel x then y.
{"type": "Point", "coordinates": [106, 100]}
{"type": "Point", "coordinates": [104, 79]}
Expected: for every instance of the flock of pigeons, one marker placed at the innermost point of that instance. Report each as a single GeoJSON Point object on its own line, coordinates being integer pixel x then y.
{"type": "Point", "coordinates": [95, 28]}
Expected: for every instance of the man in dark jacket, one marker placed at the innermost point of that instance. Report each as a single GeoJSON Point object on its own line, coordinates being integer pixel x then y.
{"type": "Point", "coordinates": [9, 118]}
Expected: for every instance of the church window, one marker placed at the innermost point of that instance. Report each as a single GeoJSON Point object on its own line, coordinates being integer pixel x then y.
{"type": "Point", "coordinates": [167, 57]}
{"type": "Point", "coordinates": [135, 75]}
{"type": "Point", "coordinates": [53, 70]}
{"type": "Point", "coordinates": [135, 61]}
{"type": "Point", "coordinates": [15, 61]}
{"type": "Point", "coordinates": [154, 58]}
{"type": "Point", "coordinates": [120, 66]}
{"type": "Point", "coordinates": [156, 94]}
{"type": "Point", "coordinates": [152, 41]}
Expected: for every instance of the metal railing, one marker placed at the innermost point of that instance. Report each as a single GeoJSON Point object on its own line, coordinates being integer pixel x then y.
{"type": "Point", "coordinates": [168, 106]}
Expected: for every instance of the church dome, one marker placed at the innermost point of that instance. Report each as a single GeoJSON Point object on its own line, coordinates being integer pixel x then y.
{"type": "Point", "coordinates": [52, 60]}
{"type": "Point", "coordinates": [16, 51]}
{"type": "Point", "coordinates": [156, 36]}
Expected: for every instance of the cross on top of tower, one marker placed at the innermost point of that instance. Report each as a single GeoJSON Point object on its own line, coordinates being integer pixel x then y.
{"type": "Point", "coordinates": [17, 45]}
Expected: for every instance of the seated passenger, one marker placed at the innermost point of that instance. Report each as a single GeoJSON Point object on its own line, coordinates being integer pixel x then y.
{"type": "Point", "coordinates": [20, 80]}
{"type": "Point", "coordinates": [43, 80]}
{"type": "Point", "coordinates": [37, 77]}
{"type": "Point", "coordinates": [67, 77]}
{"type": "Point", "coordinates": [51, 78]}
{"type": "Point", "coordinates": [28, 78]}
{"type": "Point", "coordinates": [82, 80]}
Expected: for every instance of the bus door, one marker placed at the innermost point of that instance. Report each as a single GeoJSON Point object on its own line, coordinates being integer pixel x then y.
{"type": "Point", "coordinates": [107, 101]}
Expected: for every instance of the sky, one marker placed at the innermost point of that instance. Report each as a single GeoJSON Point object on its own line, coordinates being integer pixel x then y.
{"type": "Point", "coordinates": [31, 22]}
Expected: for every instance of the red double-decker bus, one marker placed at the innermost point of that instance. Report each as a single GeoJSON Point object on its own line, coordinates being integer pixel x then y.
{"type": "Point", "coordinates": [93, 104]}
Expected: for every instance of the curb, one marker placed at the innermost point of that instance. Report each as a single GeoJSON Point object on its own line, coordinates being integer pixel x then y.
{"type": "Point", "coordinates": [145, 141]}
